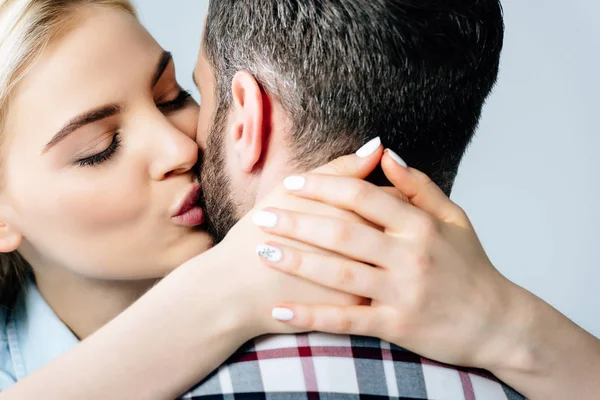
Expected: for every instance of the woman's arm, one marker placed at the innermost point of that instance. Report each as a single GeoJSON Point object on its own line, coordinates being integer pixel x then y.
{"type": "Point", "coordinates": [433, 289]}
{"type": "Point", "coordinates": [544, 354]}
{"type": "Point", "coordinates": [170, 339]}
{"type": "Point", "coordinates": [191, 321]}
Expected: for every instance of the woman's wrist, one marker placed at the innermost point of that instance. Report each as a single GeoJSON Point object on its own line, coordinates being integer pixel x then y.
{"type": "Point", "coordinates": [540, 352]}
{"type": "Point", "coordinates": [224, 293]}
{"type": "Point", "coordinates": [512, 346]}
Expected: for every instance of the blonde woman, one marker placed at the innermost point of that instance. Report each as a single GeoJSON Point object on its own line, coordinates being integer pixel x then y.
{"type": "Point", "coordinates": [97, 204]}
{"type": "Point", "coordinates": [96, 207]}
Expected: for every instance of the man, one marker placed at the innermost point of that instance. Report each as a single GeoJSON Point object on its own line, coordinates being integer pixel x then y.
{"type": "Point", "coordinates": [287, 86]}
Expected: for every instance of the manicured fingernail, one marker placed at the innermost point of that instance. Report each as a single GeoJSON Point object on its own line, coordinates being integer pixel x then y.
{"type": "Point", "coordinates": [369, 148]}
{"type": "Point", "coordinates": [265, 219]}
{"type": "Point", "coordinates": [396, 158]}
{"type": "Point", "coordinates": [269, 253]}
{"type": "Point", "coordinates": [282, 314]}
{"type": "Point", "coordinates": [294, 183]}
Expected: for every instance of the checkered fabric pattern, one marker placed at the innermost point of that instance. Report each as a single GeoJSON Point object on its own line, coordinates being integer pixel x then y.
{"type": "Point", "coordinates": [325, 367]}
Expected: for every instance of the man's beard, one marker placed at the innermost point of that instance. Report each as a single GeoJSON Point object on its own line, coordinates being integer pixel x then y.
{"type": "Point", "coordinates": [216, 198]}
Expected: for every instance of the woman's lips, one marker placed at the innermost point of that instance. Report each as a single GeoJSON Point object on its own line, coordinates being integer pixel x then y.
{"type": "Point", "coordinates": [188, 212]}
{"type": "Point", "coordinates": [193, 217]}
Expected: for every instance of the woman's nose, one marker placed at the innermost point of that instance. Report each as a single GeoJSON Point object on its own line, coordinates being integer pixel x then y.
{"type": "Point", "coordinates": [177, 153]}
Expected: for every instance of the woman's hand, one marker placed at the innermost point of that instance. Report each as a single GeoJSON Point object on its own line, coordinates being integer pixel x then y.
{"type": "Point", "coordinates": [433, 289]}
{"type": "Point", "coordinates": [256, 289]}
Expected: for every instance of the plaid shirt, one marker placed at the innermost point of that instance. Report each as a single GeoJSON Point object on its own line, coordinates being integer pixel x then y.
{"type": "Point", "coordinates": [320, 366]}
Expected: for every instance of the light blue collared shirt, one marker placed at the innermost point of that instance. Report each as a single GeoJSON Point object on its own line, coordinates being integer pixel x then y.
{"type": "Point", "coordinates": [31, 336]}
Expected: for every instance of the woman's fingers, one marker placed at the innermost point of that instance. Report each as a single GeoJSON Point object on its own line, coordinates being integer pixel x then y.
{"type": "Point", "coordinates": [351, 320]}
{"type": "Point", "coordinates": [421, 190]}
{"type": "Point", "coordinates": [330, 271]}
{"type": "Point", "coordinates": [371, 202]}
{"type": "Point", "coordinates": [353, 240]}
{"type": "Point", "coordinates": [357, 165]}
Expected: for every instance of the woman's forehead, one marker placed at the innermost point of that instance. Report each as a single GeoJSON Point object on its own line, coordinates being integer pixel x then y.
{"type": "Point", "coordinates": [103, 59]}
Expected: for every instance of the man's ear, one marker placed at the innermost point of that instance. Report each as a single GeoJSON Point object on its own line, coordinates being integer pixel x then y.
{"type": "Point", "coordinates": [10, 238]}
{"type": "Point", "coordinates": [248, 120]}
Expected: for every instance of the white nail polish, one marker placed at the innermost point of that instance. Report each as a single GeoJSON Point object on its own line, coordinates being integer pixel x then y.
{"type": "Point", "coordinates": [397, 158]}
{"type": "Point", "coordinates": [269, 253]}
{"type": "Point", "coordinates": [294, 183]}
{"type": "Point", "coordinates": [265, 219]}
{"type": "Point", "coordinates": [369, 148]}
{"type": "Point", "coordinates": [283, 314]}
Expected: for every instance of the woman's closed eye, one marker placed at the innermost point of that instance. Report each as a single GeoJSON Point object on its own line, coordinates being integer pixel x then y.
{"type": "Point", "coordinates": [179, 102]}
{"type": "Point", "coordinates": [104, 155]}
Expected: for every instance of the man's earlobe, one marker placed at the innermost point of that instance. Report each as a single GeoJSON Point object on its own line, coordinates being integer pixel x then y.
{"type": "Point", "coordinates": [248, 120]}
{"type": "Point", "coordinates": [10, 238]}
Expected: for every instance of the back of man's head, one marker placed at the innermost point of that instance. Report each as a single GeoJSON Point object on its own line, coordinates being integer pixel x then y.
{"type": "Point", "coordinates": [414, 72]}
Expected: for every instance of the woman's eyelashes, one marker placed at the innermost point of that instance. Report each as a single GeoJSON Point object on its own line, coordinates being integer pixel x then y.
{"type": "Point", "coordinates": [176, 104]}
{"type": "Point", "coordinates": [104, 155]}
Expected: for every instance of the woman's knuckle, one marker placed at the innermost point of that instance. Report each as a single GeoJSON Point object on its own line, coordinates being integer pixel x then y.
{"type": "Point", "coordinates": [423, 261]}
{"type": "Point", "coordinates": [341, 233]}
{"type": "Point", "coordinates": [345, 276]}
{"type": "Point", "coordinates": [428, 227]}
{"type": "Point", "coordinates": [359, 192]}
{"type": "Point", "coordinates": [310, 321]}
{"type": "Point", "coordinates": [343, 324]}
{"type": "Point", "coordinates": [384, 244]}
{"type": "Point", "coordinates": [419, 263]}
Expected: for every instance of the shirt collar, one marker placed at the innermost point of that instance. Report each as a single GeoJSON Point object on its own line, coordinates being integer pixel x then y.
{"type": "Point", "coordinates": [36, 335]}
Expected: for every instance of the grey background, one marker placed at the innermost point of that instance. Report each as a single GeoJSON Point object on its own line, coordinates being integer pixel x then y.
{"type": "Point", "coordinates": [530, 179]}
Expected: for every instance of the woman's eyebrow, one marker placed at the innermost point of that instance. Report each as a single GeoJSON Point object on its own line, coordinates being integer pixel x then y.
{"type": "Point", "coordinates": [165, 59]}
{"type": "Point", "coordinates": [81, 120]}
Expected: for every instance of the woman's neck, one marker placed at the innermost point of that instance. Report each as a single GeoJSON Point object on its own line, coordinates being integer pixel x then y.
{"type": "Point", "coordinates": [83, 304]}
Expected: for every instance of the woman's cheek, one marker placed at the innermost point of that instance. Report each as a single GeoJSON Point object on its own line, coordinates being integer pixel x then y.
{"type": "Point", "coordinates": [102, 207]}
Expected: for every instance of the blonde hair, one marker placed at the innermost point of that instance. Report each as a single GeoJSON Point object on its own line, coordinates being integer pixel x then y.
{"type": "Point", "coordinates": [26, 29]}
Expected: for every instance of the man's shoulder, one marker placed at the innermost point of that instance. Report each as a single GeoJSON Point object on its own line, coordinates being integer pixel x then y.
{"type": "Point", "coordinates": [338, 367]}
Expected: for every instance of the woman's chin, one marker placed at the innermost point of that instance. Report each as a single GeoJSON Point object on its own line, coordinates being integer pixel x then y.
{"type": "Point", "coordinates": [195, 244]}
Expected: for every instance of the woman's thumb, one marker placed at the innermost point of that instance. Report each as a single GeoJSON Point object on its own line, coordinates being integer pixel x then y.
{"type": "Point", "coordinates": [421, 191]}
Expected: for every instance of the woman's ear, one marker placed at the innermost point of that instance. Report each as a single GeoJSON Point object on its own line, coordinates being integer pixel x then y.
{"type": "Point", "coordinates": [10, 237]}
{"type": "Point", "coordinates": [248, 120]}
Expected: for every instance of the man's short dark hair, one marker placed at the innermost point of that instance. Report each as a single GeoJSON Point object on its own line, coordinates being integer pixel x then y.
{"type": "Point", "coordinates": [414, 72]}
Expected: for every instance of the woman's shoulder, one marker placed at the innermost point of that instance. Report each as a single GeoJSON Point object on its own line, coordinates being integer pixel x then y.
{"type": "Point", "coordinates": [7, 375]}
{"type": "Point", "coordinates": [6, 314]}
{"type": "Point", "coordinates": [31, 336]}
